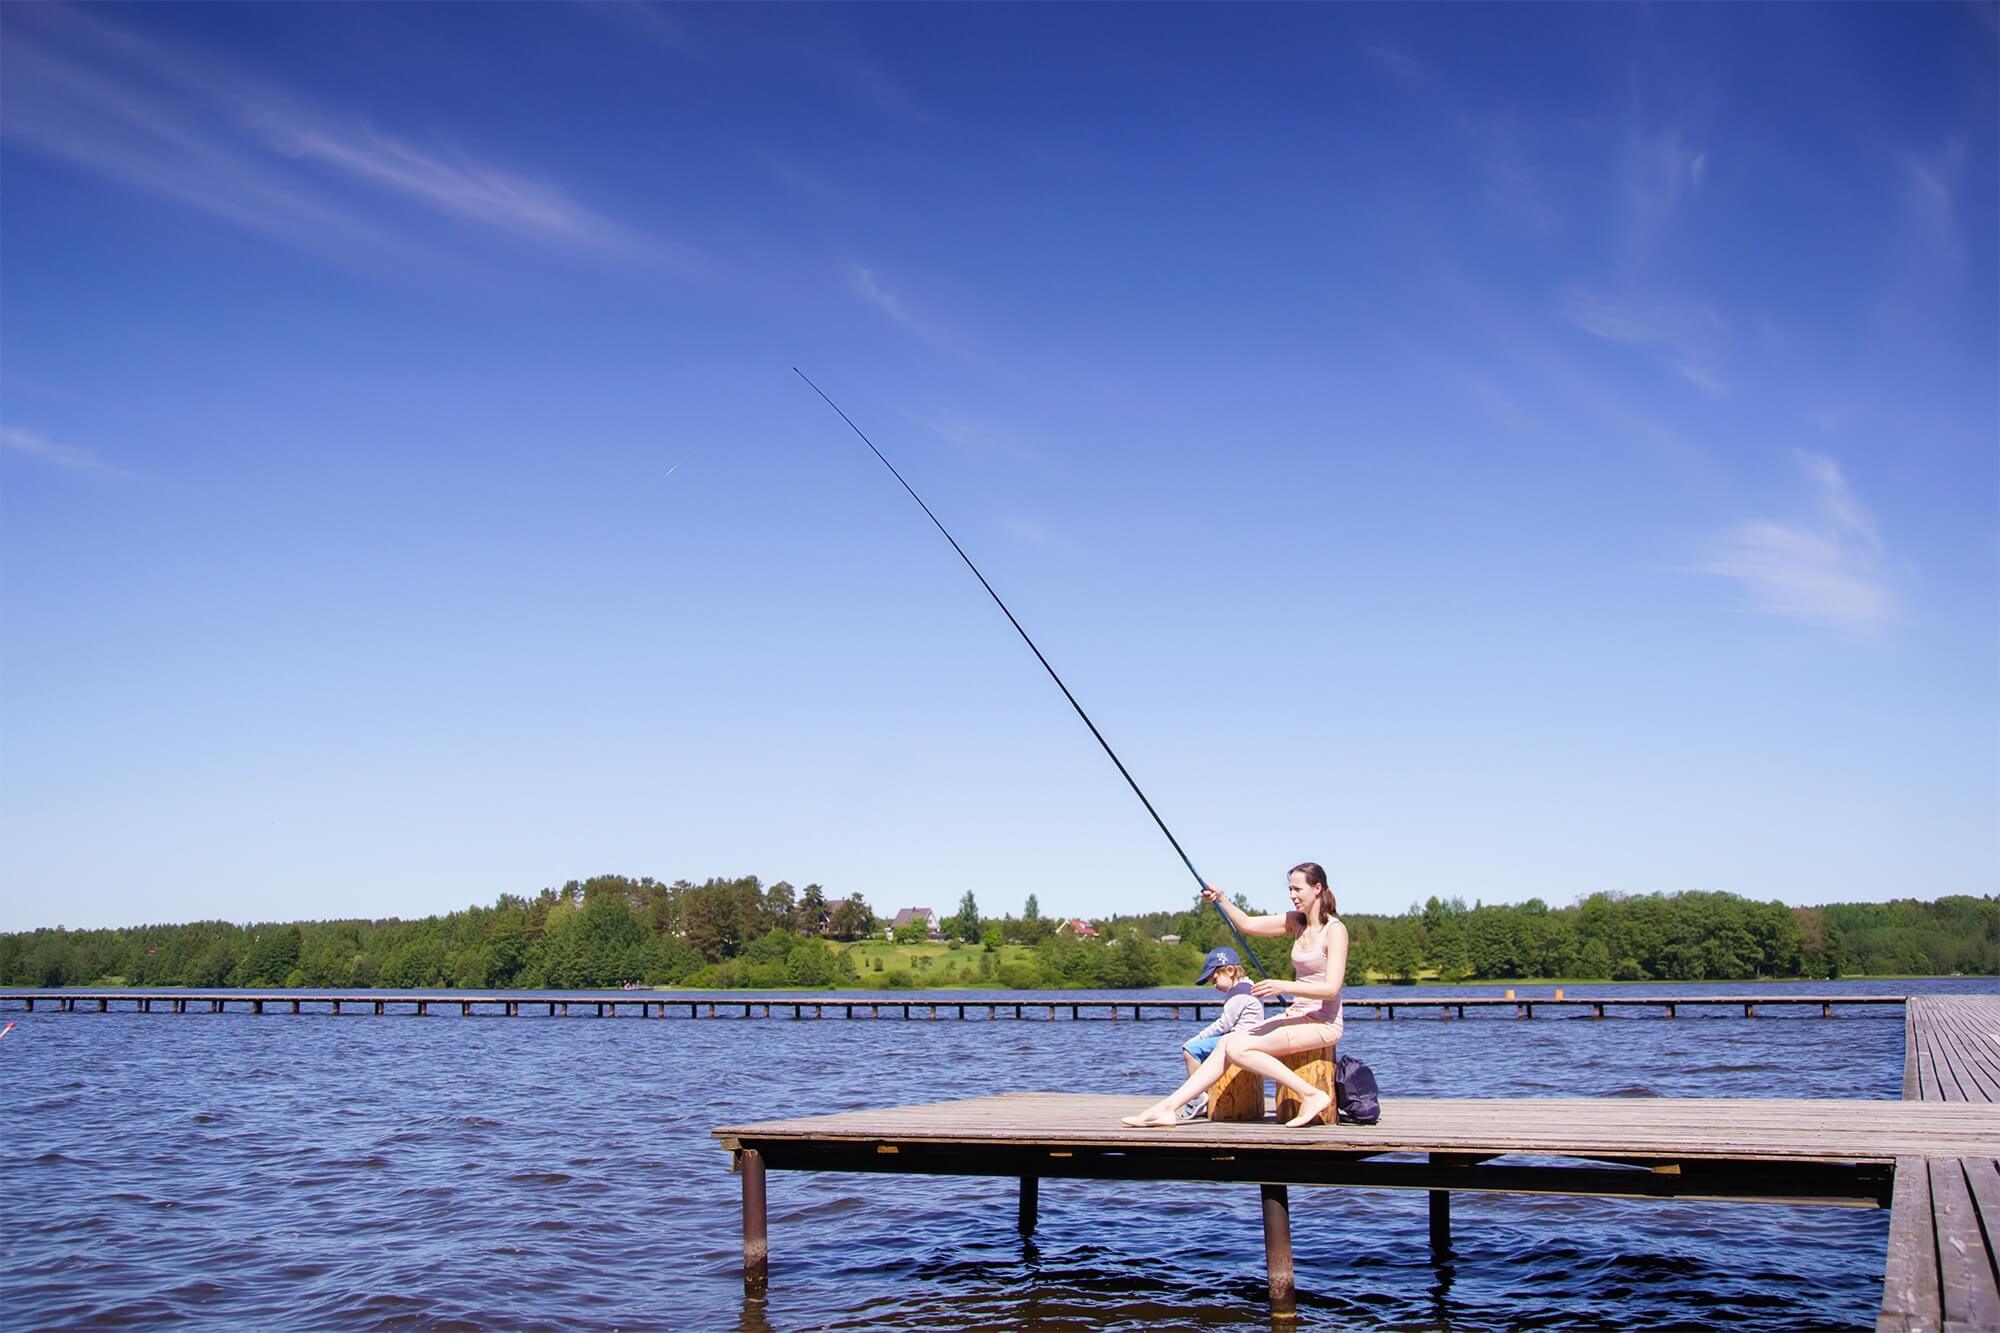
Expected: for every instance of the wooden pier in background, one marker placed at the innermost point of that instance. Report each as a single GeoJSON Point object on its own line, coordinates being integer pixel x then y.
{"type": "Point", "coordinates": [653, 1004]}
{"type": "Point", "coordinates": [1944, 1230]}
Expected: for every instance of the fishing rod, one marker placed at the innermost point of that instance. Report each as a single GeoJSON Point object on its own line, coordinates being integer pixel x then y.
{"type": "Point", "coordinates": [1249, 954]}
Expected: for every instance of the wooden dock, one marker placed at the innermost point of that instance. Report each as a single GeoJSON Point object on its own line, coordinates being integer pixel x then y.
{"type": "Point", "coordinates": [1835, 1152]}
{"type": "Point", "coordinates": [649, 1004]}
{"type": "Point", "coordinates": [1944, 1230]}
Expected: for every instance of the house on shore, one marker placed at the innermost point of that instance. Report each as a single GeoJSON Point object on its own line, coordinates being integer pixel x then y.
{"type": "Point", "coordinates": [1077, 926]}
{"type": "Point", "coordinates": [927, 915]}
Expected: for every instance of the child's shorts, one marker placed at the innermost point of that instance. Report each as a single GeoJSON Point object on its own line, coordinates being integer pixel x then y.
{"type": "Point", "coordinates": [1199, 1047]}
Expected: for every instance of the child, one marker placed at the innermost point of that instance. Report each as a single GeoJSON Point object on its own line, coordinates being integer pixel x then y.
{"type": "Point", "coordinates": [1241, 1010]}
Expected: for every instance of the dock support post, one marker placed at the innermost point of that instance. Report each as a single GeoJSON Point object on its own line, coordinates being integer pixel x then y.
{"type": "Point", "coordinates": [756, 1242]}
{"type": "Point", "coordinates": [1278, 1251]}
{"type": "Point", "coordinates": [1031, 1200]}
{"type": "Point", "coordinates": [1440, 1225]}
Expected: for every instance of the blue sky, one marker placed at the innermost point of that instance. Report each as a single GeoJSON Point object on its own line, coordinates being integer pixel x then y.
{"type": "Point", "coordinates": [1497, 451]}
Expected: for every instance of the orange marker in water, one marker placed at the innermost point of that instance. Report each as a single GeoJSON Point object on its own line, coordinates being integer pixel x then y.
{"type": "Point", "coordinates": [4, 1031]}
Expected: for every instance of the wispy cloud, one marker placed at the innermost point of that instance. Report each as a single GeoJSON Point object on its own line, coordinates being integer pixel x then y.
{"type": "Point", "coordinates": [838, 61]}
{"type": "Point", "coordinates": [649, 21]}
{"type": "Point", "coordinates": [1398, 61]}
{"type": "Point", "coordinates": [976, 437]}
{"type": "Point", "coordinates": [1031, 532]}
{"type": "Point", "coordinates": [1827, 568]}
{"type": "Point", "coordinates": [861, 280]}
{"type": "Point", "coordinates": [1510, 184]}
{"type": "Point", "coordinates": [185, 126]}
{"type": "Point", "coordinates": [1930, 200]}
{"type": "Point", "coordinates": [1687, 337]}
{"type": "Point", "coordinates": [1660, 170]}
{"type": "Point", "coordinates": [531, 209]}
{"type": "Point", "coordinates": [68, 456]}
{"type": "Point", "coordinates": [1701, 377]}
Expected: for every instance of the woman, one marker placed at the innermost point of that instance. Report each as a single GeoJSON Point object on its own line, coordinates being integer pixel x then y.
{"type": "Point", "coordinates": [1319, 959]}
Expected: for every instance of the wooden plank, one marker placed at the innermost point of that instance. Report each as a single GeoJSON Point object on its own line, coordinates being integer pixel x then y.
{"type": "Point", "coordinates": [1982, 1178]}
{"type": "Point", "coordinates": [1910, 1282]}
{"type": "Point", "coordinates": [1974, 1056]}
{"type": "Point", "coordinates": [1606, 1129]}
{"type": "Point", "coordinates": [1966, 1073]}
{"type": "Point", "coordinates": [1971, 1298]}
{"type": "Point", "coordinates": [1910, 1042]}
{"type": "Point", "coordinates": [1835, 1185]}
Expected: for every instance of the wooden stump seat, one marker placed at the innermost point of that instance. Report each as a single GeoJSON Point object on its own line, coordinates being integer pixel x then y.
{"type": "Point", "coordinates": [1237, 1095]}
{"type": "Point", "coordinates": [1316, 1066]}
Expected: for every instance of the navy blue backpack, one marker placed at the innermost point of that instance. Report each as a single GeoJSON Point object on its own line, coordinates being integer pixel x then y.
{"type": "Point", "coordinates": [1355, 1091]}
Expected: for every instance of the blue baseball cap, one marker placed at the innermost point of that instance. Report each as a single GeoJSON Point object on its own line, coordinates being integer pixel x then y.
{"type": "Point", "coordinates": [1217, 958]}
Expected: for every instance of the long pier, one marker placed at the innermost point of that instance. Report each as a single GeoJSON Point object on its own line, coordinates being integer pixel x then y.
{"type": "Point", "coordinates": [655, 1005]}
{"type": "Point", "coordinates": [1944, 1225]}
{"type": "Point", "coordinates": [1931, 1156]}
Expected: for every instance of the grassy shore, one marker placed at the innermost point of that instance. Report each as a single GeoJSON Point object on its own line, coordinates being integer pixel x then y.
{"type": "Point", "coordinates": [942, 965]}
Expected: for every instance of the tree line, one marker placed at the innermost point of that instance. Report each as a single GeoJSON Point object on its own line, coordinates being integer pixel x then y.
{"type": "Point", "coordinates": [722, 933]}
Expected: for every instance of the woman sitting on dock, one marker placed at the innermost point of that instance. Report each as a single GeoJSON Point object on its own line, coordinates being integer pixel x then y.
{"type": "Point", "coordinates": [1311, 1021]}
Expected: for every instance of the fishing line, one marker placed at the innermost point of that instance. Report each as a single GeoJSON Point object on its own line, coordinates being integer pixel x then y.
{"type": "Point", "coordinates": [1249, 954]}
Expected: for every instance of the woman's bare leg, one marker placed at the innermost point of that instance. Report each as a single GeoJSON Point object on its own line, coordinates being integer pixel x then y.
{"type": "Point", "coordinates": [1260, 1055]}
{"type": "Point", "coordinates": [1312, 1101]}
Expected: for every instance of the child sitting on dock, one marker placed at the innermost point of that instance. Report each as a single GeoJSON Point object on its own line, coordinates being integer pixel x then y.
{"type": "Point", "coordinates": [1241, 1009]}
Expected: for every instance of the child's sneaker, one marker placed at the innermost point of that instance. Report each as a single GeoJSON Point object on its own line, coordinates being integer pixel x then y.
{"type": "Point", "coordinates": [1195, 1109]}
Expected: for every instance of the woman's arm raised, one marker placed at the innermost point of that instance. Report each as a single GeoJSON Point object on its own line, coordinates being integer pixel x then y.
{"type": "Point", "coordinates": [1282, 924]}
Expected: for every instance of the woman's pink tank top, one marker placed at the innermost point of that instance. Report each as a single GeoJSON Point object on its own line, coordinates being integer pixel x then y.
{"type": "Point", "coordinates": [1309, 965]}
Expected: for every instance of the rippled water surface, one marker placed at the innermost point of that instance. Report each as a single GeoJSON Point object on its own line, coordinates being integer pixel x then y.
{"type": "Point", "coordinates": [315, 1172]}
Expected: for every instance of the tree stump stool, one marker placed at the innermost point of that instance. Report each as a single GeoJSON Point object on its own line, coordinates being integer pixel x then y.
{"type": "Point", "coordinates": [1237, 1095]}
{"type": "Point", "coordinates": [1316, 1066]}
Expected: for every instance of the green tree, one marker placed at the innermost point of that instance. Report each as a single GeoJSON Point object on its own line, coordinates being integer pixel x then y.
{"type": "Point", "coordinates": [1397, 955]}
{"type": "Point", "coordinates": [851, 919]}
{"type": "Point", "coordinates": [965, 925]}
{"type": "Point", "coordinates": [273, 955]}
{"type": "Point", "coordinates": [810, 917]}
{"type": "Point", "coordinates": [781, 906]}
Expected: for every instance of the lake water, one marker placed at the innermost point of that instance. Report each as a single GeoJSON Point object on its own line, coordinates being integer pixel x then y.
{"type": "Point", "coordinates": [313, 1172]}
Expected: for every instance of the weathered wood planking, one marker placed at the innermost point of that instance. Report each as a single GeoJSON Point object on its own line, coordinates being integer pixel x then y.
{"type": "Point", "coordinates": [1631, 1129]}
{"type": "Point", "coordinates": [1943, 1268]}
